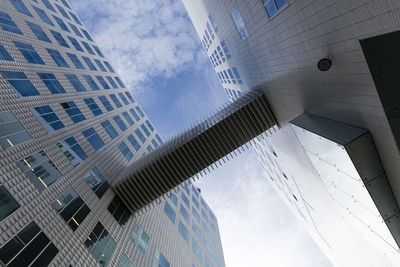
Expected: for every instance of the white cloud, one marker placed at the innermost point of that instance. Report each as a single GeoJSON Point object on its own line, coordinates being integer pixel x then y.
{"type": "Point", "coordinates": [143, 39]}
{"type": "Point", "coordinates": [257, 229]}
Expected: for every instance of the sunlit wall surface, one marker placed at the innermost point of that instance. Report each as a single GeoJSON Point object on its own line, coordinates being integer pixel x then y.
{"type": "Point", "coordinates": [275, 45]}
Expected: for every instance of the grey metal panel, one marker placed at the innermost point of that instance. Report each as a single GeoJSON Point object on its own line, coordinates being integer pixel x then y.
{"type": "Point", "coordinates": [338, 132]}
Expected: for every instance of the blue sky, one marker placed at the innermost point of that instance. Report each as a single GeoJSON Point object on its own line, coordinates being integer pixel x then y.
{"type": "Point", "coordinates": [154, 48]}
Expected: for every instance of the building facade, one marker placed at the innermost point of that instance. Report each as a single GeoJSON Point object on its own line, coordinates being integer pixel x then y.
{"type": "Point", "coordinates": [274, 46]}
{"type": "Point", "coordinates": [68, 125]}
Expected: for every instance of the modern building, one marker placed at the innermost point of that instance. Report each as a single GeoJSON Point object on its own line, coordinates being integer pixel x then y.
{"type": "Point", "coordinates": [336, 166]}
{"type": "Point", "coordinates": [68, 124]}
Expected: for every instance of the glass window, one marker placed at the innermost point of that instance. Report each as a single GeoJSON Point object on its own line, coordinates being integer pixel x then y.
{"type": "Point", "coordinates": [134, 142]}
{"type": "Point", "coordinates": [20, 7]}
{"type": "Point", "coordinates": [52, 83]}
{"type": "Point", "coordinates": [109, 68]}
{"type": "Point", "coordinates": [75, 18]}
{"type": "Point", "coordinates": [109, 129]}
{"type": "Point", "coordinates": [125, 262]}
{"type": "Point", "coordinates": [98, 51]}
{"type": "Point", "coordinates": [204, 214]}
{"type": "Point", "coordinates": [48, 5]}
{"type": "Point", "coordinates": [12, 132]}
{"type": "Point", "coordinates": [119, 82]}
{"type": "Point", "coordinates": [96, 182]}
{"type": "Point", "coordinates": [185, 200]}
{"type": "Point", "coordinates": [145, 130]}
{"type": "Point", "coordinates": [88, 48]}
{"type": "Point", "coordinates": [75, 43]}
{"type": "Point", "coordinates": [60, 61]}
{"type": "Point", "coordinates": [174, 199]}
{"type": "Point", "coordinates": [78, 64]}
{"type": "Point", "coordinates": [106, 103]}
{"type": "Point", "coordinates": [160, 260]}
{"type": "Point", "coordinates": [208, 262]}
{"type": "Point", "coordinates": [195, 191]}
{"type": "Point", "coordinates": [20, 83]}
{"type": "Point", "coordinates": [195, 202]}
{"type": "Point", "coordinates": [110, 80]}
{"type": "Point", "coordinates": [98, 62]}
{"type": "Point", "coordinates": [183, 231]}
{"type": "Point", "coordinates": [126, 152]}
{"type": "Point", "coordinates": [40, 170]}
{"type": "Point", "coordinates": [72, 208]}
{"type": "Point", "coordinates": [73, 111]}
{"type": "Point", "coordinates": [205, 228]}
{"type": "Point", "coordinates": [241, 27]}
{"type": "Point", "coordinates": [7, 24]}
{"type": "Point", "coordinates": [42, 15]}
{"type": "Point", "coordinates": [149, 148]}
{"type": "Point", "coordinates": [120, 123]}
{"type": "Point", "coordinates": [196, 230]}
{"type": "Point", "coordinates": [210, 17]}
{"type": "Point", "coordinates": [29, 247]}
{"type": "Point", "coordinates": [196, 249]}
{"type": "Point", "coordinates": [93, 138]}
{"type": "Point", "coordinates": [159, 139]}
{"type": "Point", "coordinates": [75, 29]}
{"type": "Point", "coordinates": [89, 63]}
{"type": "Point", "coordinates": [130, 97]}
{"type": "Point", "coordinates": [4, 55]}
{"type": "Point", "coordinates": [195, 214]}
{"type": "Point", "coordinates": [140, 135]}
{"type": "Point", "coordinates": [140, 238]}
{"type": "Point", "coordinates": [29, 53]}
{"type": "Point", "coordinates": [128, 118]}
{"type": "Point", "coordinates": [213, 227]}
{"type": "Point", "coordinates": [65, 4]}
{"type": "Point", "coordinates": [91, 82]}
{"type": "Point", "coordinates": [212, 216]}
{"type": "Point", "coordinates": [7, 205]}
{"type": "Point", "coordinates": [184, 213]}
{"type": "Point", "coordinates": [76, 83]}
{"type": "Point", "coordinates": [134, 114]}
{"type": "Point", "coordinates": [93, 106]}
{"type": "Point", "coordinates": [140, 111]}
{"type": "Point", "coordinates": [121, 95]}
{"type": "Point", "coordinates": [116, 101]}
{"type": "Point", "coordinates": [102, 82]}
{"type": "Point", "coordinates": [119, 211]}
{"type": "Point", "coordinates": [72, 150]}
{"type": "Point", "coordinates": [38, 31]}
{"type": "Point", "coordinates": [87, 35]}
{"type": "Point", "coordinates": [170, 212]}
{"type": "Point", "coordinates": [149, 125]}
{"type": "Point", "coordinates": [61, 23]}
{"type": "Point", "coordinates": [47, 118]}
{"type": "Point", "coordinates": [62, 11]}
{"type": "Point", "coordinates": [236, 72]}
{"type": "Point", "coordinates": [101, 244]}
{"type": "Point", "coordinates": [270, 8]}
{"type": "Point", "coordinates": [186, 188]}
{"type": "Point", "coordinates": [154, 142]}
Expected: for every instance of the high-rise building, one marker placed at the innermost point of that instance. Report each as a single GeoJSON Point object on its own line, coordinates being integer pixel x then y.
{"type": "Point", "coordinates": [337, 165]}
{"type": "Point", "coordinates": [68, 125]}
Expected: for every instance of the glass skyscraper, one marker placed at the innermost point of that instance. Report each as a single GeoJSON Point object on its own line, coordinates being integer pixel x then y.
{"type": "Point", "coordinates": [68, 126]}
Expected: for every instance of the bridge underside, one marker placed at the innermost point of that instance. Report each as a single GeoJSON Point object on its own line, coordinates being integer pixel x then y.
{"type": "Point", "coordinates": [186, 155]}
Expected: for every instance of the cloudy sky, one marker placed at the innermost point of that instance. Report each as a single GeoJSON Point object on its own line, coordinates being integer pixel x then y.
{"type": "Point", "coordinates": [154, 48]}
